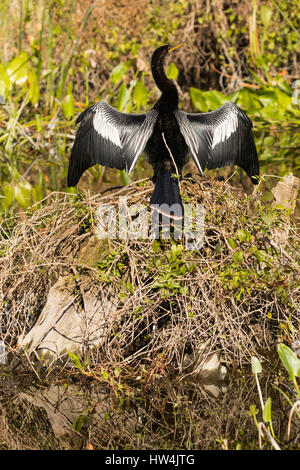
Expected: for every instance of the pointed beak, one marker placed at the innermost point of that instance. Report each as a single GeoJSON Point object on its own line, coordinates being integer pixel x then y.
{"type": "Point", "coordinates": [175, 47]}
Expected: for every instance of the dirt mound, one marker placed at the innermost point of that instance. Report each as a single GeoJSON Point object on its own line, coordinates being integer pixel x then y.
{"type": "Point", "coordinates": [236, 294]}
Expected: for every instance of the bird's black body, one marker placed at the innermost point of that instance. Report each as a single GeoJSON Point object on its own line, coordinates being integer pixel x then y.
{"type": "Point", "coordinates": [167, 136]}
{"type": "Point", "coordinates": [159, 156]}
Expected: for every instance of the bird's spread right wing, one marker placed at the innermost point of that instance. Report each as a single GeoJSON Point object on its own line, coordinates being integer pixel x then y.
{"type": "Point", "coordinates": [219, 138]}
{"type": "Point", "coordinates": [110, 138]}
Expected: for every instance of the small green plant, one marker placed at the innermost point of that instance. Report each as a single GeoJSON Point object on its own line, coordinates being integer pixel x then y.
{"type": "Point", "coordinates": [113, 380]}
{"type": "Point", "coordinates": [169, 278]}
{"type": "Point", "coordinates": [292, 364]}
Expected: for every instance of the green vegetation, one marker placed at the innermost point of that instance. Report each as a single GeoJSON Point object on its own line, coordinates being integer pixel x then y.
{"type": "Point", "coordinates": [239, 293]}
{"type": "Point", "coordinates": [292, 364]}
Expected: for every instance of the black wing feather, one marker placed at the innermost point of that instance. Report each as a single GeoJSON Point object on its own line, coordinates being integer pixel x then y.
{"type": "Point", "coordinates": [219, 138]}
{"type": "Point", "coordinates": [110, 138]}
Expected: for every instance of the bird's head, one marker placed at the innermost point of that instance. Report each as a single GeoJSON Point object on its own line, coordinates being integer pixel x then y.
{"type": "Point", "coordinates": [161, 52]}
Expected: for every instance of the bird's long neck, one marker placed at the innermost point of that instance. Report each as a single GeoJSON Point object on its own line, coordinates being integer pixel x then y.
{"type": "Point", "coordinates": [166, 86]}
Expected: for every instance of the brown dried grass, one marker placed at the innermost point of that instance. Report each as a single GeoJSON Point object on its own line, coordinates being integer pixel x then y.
{"type": "Point", "coordinates": [159, 322]}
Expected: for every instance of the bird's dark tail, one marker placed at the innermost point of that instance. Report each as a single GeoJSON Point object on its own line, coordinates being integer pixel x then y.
{"type": "Point", "coordinates": [166, 197]}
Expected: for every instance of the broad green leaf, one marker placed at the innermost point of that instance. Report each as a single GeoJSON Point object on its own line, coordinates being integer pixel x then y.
{"type": "Point", "coordinates": [75, 360]}
{"type": "Point", "coordinates": [266, 15]}
{"type": "Point", "coordinates": [5, 84]}
{"type": "Point", "coordinates": [214, 99]}
{"type": "Point", "coordinates": [266, 96]}
{"type": "Point", "coordinates": [255, 365]}
{"type": "Point", "coordinates": [23, 193]}
{"type": "Point", "coordinates": [78, 422]}
{"type": "Point", "coordinates": [267, 411]}
{"type": "Point", "coordinates": [8, 193]}
{"type": "Point", "coordinates": [269, 112]}
{"type": "Point", "coordinates": [260, 255]}
{"type": "Point", "coordinates": [68, 103]}
{"type": "Point", "coordinates": [37, 193]}
{"type": "Point", "coordinates": [34, 92]}
{"type": "Point", "coordinates": [124, 102]}
{"type": "Point", "coordinates": [155, 246]}
{"type": "Point", "coordinates": [284, 101]}
{"type": "Point", "coordinates": [207, 100]}
{"type": "Point", "coordinates": [268, 218]}
{"type": "Point", "coordinates": [242, 235]}
{"type": "Point", "coordinates": [129, 287]}
{"type": "Point", "coordinates": [231, 243]}
{"type": "Point", "coordinates": [290, 360]}
{"type": "Point", "coordinates": [17, 69]}
{"type": "Point", "coordinates": [248, 100]}
{"type": "Point", "coordinates": [198, 99]}
{"type": "Point", "coordinates": [238, 256]}
{"type": "Point", "coordinates": [283, 84]}
{"type": "Point", "coordinates": [118, 72]}
{"type": "Point", "coordinates": [172, 71]}
{"type": "Point", "coordinates": [140, 94]}
{"type": "Point", "coordinates": [125, 178]}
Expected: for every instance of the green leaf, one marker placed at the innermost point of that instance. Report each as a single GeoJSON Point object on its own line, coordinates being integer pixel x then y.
{"type": "Point", "coordinates": [17, 69]}
{"type": "Point", "coordinates": [198, 100]}
{"type": "Point", "coordinates": [67, 106]}
{"type": "Point", "coordinates": [260, 255]}
{"type": "Point", "coordinates": [214, 99]}
{"type": "Point", "coordinates": [155, 246]}
{"type": "Point", "coordinates": [231, 243]}
{"type": "Point", "coordinates": [248, 100]}
{"type": "Point", "coordinates": [172, 72]}
{"type": "Point", "coordinates": [125, 178]}
{"type": "Point", "coordinates": [34, 92]}
{"type": "Point", "coordinates": [207, 100]}
{"type": "Point", "coordinates": [8, 193]}
{"type": "Point", "coordinates": [266, 15]}
{"type": "Point", "coordinates": [290, 360]}
{"type": "Point", "coordinates": [140, 94]}
{"type": "Point", "coordinates": [75, 360]}
{"type": "Point", "coordinates": [266, 96]}
{"type": "Point", "coordinates": [124, 102]}
{"type": "Point", "coordinates": [255, 365]}
{"type": "Point", "coordinates": [242, 235]}
{"type": "Point", "coordinates": [78, 422]}
{"type": "Point", "coordinates": [129, 287]}
{"type": "Point", "coordinates": [238, 256]}
{"type": "Point", "coordinates": [23, 193]}
{"type": "Point", "coordinates": [5, 84]}
{"type": "Point", "coordinates": [267, 411]}
{"type": "Point", "coordinates": [118, 72]}
{"type": "Point", "coordinates": [268, 218]}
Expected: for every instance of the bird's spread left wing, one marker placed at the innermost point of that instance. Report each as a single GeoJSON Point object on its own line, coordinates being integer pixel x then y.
{"type": "Point", "coordinates": [219, 138]}
{"type": "Point", "coordinates": [110, 138]}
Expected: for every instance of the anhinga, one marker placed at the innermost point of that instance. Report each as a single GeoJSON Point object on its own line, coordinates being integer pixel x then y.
{"type": "Point", "coordinates": [116, 140]}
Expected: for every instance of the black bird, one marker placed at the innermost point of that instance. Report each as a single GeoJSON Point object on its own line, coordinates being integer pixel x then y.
{"type": "Point", "coordinates": [166, 135]}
